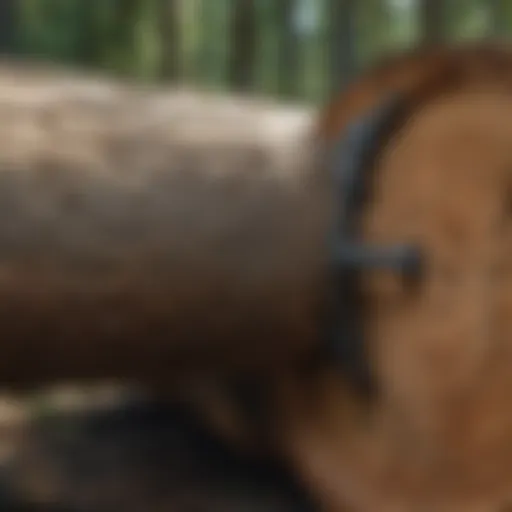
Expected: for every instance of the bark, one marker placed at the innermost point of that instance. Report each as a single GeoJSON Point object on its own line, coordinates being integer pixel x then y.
{"type": "Point", "coordinates": [143, 231]}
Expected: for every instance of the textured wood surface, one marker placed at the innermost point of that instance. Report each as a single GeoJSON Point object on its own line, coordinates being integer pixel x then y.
{"type": "Point", "coordinates": [439, 433]}
{"type": "Point", "coordinates": [146, 231]}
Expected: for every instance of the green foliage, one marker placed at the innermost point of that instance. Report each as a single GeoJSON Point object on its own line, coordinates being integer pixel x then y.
{"type": "Point", "coordinates": [133, 37]}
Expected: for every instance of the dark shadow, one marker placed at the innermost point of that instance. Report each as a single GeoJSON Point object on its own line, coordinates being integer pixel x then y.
{"type": "Point", "coordinates": [145, 457]}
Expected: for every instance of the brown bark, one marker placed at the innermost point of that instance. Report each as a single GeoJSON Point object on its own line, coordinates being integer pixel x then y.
{"type": "Point", "coordinates": [141, 232]}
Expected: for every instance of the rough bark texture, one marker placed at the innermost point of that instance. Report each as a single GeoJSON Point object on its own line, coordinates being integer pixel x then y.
{"type": "Point", "coordinates": [439, 433]}
{"type": "Point", "coordinates": [143, 230]}
{"type": "Point", "coordinates": [111, 196]}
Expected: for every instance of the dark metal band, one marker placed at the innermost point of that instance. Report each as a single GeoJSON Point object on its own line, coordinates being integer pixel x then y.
{"type": "Point", "coordinates": [352, 163]}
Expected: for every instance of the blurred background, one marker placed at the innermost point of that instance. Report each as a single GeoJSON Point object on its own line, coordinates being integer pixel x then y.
{"type": "Point", "coordinates": [293, 49]}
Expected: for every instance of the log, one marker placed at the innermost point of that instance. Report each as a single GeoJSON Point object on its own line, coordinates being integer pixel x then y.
{"type": "Point", "coordinates": [136, 456]}
{"type": "Point", "coordinates": [438, 432]}
{"type": "Point", "coordinates": [150, 232]}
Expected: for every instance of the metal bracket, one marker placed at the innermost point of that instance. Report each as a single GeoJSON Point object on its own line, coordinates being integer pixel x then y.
{"type": "Point", "coordinates": [351, 168]}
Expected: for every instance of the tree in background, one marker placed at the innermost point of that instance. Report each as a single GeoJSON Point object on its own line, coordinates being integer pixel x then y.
{"type": "Point", "coordinates": [243, 44]}
{"type": "Point", "coordinates": [8, 25]}
{"type": "Point", "coordinates": [170, 47]}
{"type": "Point", "coordinates": [295, 48]}
{"type": "Point", "coordinates": [374, 30]}
{"type": "Point", "coordinates": [123, 27]}
{"type": "Point", "coordinates": [433, 20]}
{"type": "Point", "coordinates": [288, 48]}
{"type": "Point", "coordinates": [90, 41]}
{"type": "Point", "coordinates": [342, 42]}
{"type": "Point", "coordinates": [500, 16]}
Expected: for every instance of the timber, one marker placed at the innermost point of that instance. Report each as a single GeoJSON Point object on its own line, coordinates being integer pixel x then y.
{"type": "Point", "coordinates": [137, 456]}
{"type": "Point", "coordinates": [146, 231]}
{"type": "Point", "coordinates": [437, 433]}
{"type": "Point", "coordinates": [437, 436]}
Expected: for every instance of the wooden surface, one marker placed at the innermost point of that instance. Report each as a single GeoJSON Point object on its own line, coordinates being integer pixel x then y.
{"type": "Point", "coordinates": [96, 449]}
{"type": "Point", "coordinates": [438, 434]}
{"type": "Point", "coordinates": [195, 222]}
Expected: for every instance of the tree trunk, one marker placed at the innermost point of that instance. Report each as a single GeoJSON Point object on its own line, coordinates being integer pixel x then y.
{"type": "Point", "coordinates": [8, 26]}
{"type": "Point", "coordinates": [433, 21]}
{"type": "Point", "coordinates": [142, 232]}
{"type": "Point", "coordinates": [374, 37]}
{"type": "Point", "coordinates": [342, 44]}
{"type": "Point", "coordinates": [288, 46]}
{"type": "Point", "coordinates": [243, 44]}
{"type": "Point", "coordinates": [501, 17]}
{"type": "Point", "coordinates": [170, 41]}
{"type": "Point", "coordinates": [89, 51]}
